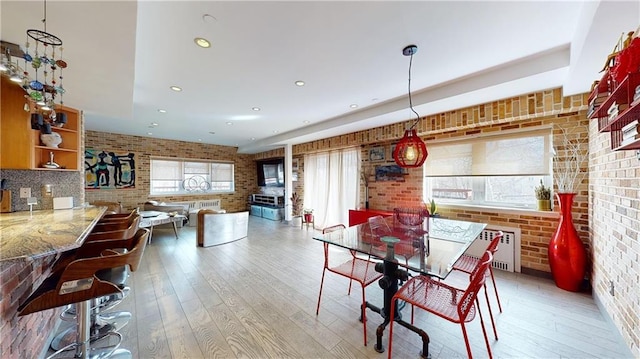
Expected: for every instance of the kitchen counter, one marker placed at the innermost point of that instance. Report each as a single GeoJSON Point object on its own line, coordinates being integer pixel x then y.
{"type": "Point", "coordinates": [29, 235]}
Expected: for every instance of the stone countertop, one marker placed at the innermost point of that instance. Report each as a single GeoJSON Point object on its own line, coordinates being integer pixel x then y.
{"type": "Point", "coordinates": [28, 235]}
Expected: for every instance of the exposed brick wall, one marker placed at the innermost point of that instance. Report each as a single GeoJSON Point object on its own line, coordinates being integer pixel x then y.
{"type": "Point", "coordinates": [606, 210]}
{"type": "Point", "coordinates": [546, 108]}
{"type": "Point", "coordinates": [25, 336]}
{"type": "Point", "coordinates": [144, 147]}
{"type": "Point", "coordinates": [614, 221]}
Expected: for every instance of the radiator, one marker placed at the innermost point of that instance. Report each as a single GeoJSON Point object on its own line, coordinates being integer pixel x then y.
{"type": "Point", "coordinates": [507, 258]}
{"type": "Point", "coordinates": [209, 204]}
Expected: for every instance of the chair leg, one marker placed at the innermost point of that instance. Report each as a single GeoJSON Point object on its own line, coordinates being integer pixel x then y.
{"type": "Point", "coordinates": [484, 330]}
{"type": "Point", "coordinates": [466, 340]}
{"type": "Point", "coordinates": [391, 320]}
{"type": "Point", "coordinates": [493, 323]}
{"type": "Point", "coordinates": [320, 294]}
{"type": "Point", "coordinates": [495, 289]}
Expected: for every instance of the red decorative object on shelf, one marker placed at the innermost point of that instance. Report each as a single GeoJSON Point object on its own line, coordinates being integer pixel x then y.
{"type": "Point", "coordinates": [567, 255]}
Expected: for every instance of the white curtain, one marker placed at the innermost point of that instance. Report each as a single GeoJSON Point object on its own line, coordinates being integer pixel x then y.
{"type": "Point", "coordinates": [331, 185]}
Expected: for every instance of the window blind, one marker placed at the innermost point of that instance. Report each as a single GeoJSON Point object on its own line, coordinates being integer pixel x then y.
{"type": "Point", "coordinates": [522, 153]}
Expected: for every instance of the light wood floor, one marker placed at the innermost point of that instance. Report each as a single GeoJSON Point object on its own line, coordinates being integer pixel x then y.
{"type": "Point", "coordinates": [256, 298]}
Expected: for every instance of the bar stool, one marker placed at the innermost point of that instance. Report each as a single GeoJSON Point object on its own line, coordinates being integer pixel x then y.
{"type": "Point", "coordinates": [83, 279]}
{"type": "Point", "coordinates": [101, 323]}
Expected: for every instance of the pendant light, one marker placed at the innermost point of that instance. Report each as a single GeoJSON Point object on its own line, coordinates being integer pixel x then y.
{"type": "Point", "coordinates": [411, 151]}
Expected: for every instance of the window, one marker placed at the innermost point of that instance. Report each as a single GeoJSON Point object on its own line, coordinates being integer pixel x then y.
{"type": "Point", "coordinates": [175, 176]}
{"type": "Point", "coordinates": [498, 171]}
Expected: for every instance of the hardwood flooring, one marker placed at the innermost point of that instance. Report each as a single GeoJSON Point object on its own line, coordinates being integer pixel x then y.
{"type": "Point", "coordinates": [256, 298]}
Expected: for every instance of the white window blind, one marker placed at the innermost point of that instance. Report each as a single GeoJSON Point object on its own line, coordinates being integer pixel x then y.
{"type": "Point", "coordinates": [522, 153]}
{"type": "Point", "coordinates": [169, 176]}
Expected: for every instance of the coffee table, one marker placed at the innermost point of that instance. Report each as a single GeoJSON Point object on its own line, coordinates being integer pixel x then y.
{"type": "Point", "coordinates": [156, 218]}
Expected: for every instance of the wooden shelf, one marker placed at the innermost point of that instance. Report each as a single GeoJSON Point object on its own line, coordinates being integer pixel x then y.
{"type": "Point", "coordinates": [20, 145]}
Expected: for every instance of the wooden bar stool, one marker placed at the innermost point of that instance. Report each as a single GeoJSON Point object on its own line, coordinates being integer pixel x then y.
{"type": "Point", "coordinates": [82, 280]}
{"type": "Point", "coordinates": [101, 322]}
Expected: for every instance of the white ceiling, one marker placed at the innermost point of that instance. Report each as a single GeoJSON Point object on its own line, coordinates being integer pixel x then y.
{"type": "Point", "coordinates": [124, 55]}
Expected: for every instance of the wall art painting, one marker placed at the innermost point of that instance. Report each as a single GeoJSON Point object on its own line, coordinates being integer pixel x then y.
{"type": "Point", "coordinates": [104, 169]}
{"type": "Point", "coordinates": [376, 154]}
{"type": "Point", "coordinates": [390, 173]}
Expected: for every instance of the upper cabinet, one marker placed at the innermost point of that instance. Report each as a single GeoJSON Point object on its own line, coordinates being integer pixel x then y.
{"type": "Point", "coordinates": [21, 147]}
{"type": "Point", "coordinates": [615, 100]}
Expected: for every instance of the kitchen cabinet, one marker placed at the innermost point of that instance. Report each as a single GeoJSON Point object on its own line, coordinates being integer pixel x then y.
{"type": "Point", "coordinates": [21, 147]}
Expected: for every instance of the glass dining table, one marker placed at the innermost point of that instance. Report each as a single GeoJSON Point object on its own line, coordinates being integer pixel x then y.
{"type": "Point", "coordinates": [428, 249]}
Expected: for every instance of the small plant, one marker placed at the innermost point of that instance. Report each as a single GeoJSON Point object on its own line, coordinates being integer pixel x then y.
{"type": "Point", "coordinates": [296, 204]}
{"type": "Point", "coordinates": [543, 192]}
{"type": "Point", "coordinates": [432, 207]}
{"type": "Point", "coordinates": [307, 211]}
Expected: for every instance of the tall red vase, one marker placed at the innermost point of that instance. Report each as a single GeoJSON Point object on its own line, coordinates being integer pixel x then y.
{"type": "Point", "coordinates": [567, 255]}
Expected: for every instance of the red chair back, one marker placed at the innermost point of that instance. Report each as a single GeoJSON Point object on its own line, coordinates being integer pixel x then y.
{"type": "Point", "coordinates": [478, 277]}
{"type": "Point", "coordinates": [378, 226]}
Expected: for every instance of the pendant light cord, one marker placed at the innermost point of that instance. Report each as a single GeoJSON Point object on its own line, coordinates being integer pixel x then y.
{"type": "Point", "coordinates": [44, 21]}
{"type": "Point", "coordinates": [410, 100]}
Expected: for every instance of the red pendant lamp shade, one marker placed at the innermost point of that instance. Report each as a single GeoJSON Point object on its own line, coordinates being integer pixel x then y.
{"type": "Point", "coordinates": [410, 151]}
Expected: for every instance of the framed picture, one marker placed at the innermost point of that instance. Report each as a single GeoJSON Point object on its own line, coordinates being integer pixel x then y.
{"type": "Point", "coordinates": [390, 173]}
{"type": "Point", "coordinates": [376, 154]}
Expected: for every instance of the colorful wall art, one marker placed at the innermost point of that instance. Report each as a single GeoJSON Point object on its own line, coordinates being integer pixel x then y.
{"type": "Point", "coordinates": [105, 169]}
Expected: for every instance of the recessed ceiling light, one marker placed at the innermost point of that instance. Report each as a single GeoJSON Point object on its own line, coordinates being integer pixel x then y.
{"type": "Point", "coordinates": [153, 124]}
{"type": "Point", "coordinates": [229, 123]}
{"type": "Point", "coordinates": [374, 99]}
{"type": "Point", "coordinates": [199, 139]}
{"type": "Point", "coordinates": [176, 88]}
{"type": "Point", "coordinates": [275, 131]}
{"type": "Point", "coordinates": [306, 121]}
{"type": "Point", "coordinates": [253, 138]}
{"type": "Point", "coordinates": [149, 133]}
{"type": "Point", "coordinates": [299, 83]}
{"type": "Point", "coordinates": [353, 105]}
{"type": "Point", "coordinates": [256, 108]}
{"type": "Point", "coordinates": [162, 110]}
{"type": "Point", "coordinates": [202, 42]}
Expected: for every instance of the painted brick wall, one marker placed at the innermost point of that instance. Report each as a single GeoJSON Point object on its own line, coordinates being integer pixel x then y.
{"type": "Point", "coordinates": [25, 336]}
{"type": "Point", "coordinates": [614, 221]}
{"type": "Point", "coordinates": [144, 147]}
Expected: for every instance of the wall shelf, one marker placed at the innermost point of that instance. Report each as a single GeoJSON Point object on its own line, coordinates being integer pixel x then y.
{"type": "Point", "coordinates": [622, 95]}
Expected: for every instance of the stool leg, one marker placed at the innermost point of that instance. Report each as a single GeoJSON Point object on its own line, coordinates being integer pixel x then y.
{"type": "Point", "coordinates": [82, 338]}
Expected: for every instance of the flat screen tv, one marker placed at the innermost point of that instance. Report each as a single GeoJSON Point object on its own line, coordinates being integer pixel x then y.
{"type": "Point", "coordinates": [270, 172]}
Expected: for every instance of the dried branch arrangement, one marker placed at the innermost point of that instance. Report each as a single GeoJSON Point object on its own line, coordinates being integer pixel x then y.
{"type": "Point", "coordinates": [570, 160]}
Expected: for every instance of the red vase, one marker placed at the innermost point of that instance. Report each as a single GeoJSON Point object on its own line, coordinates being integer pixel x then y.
{"type": "Point", "coordinates": [567, 255]}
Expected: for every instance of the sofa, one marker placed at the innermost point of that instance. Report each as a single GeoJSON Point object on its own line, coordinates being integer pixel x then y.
{"type": "Point", "coordinates": [220, 228]}
{"type": "Point", "coordinates": [188, 208]}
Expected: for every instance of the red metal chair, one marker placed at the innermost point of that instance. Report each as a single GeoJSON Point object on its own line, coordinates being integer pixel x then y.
{"type": "Point", "coordinates": [468, 264]}
{"type": "Point", "coordinates": [450, 303]}
{"type": "Point", "coordinates": [356, 269]}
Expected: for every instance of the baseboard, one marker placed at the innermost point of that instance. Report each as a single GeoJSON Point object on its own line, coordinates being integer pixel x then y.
{"type": "Point", "coordinates": [536, 273]}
